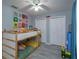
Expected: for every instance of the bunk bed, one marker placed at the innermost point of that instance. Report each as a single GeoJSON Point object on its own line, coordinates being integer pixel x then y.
{"type": "Point", "coordinates": [20, 45]}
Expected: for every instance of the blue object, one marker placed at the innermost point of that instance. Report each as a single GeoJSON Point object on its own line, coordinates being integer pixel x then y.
{"type": "Point", "coordinates": [26, 52]}
{"type": "Point", "coordinates": [30, 26]}
{"type": "Point", "coordinates": [69, 41]}
{"type": "Point", "coordinates": [73, 40]}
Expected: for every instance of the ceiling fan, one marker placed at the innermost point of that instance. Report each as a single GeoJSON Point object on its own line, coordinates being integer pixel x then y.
{"type": "Point", "coordinates": [36, 5]}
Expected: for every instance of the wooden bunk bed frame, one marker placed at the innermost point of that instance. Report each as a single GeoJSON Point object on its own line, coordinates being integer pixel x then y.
{"type": "Point", "coordinates": [6, 37]}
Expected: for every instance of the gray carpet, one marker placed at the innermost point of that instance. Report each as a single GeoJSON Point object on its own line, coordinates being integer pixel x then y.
{"type": "Point", "coordinates": [46, 52]}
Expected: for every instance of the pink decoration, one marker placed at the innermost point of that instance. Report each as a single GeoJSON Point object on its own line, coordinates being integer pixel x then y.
{"type": "Point", "coordinates": [20, 24]}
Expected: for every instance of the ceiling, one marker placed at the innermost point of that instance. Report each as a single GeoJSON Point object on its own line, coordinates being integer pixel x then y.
{"type": "Point", "coordinates": [53, 6]}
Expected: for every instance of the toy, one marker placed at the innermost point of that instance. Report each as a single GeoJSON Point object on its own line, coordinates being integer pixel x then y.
{"type": "Point", "coordinates": [65, 53]}
{"type": "Point", "coordinates": [33, 44]}
{"type": "Point", "coordinates": [23, 30]}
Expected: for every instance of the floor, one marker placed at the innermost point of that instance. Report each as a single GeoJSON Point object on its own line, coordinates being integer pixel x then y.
{"type": "Point", "coordinates": [46, 52]}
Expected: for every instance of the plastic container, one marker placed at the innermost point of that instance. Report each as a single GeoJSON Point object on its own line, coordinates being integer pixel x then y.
{"type": "Point", "coordinates": [69, 41]}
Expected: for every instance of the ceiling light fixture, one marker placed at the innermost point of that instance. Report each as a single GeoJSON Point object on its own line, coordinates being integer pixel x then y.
{"type": "Point", "coordinates": [36, 4]}
{"type": "Point", "coordinates": [36, 7]}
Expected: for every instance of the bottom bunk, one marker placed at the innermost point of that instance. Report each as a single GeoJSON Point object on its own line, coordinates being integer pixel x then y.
{"type": "Point", "coordinates": [26, 47]}
{"type": "Point", "coordinates": [27, 50]}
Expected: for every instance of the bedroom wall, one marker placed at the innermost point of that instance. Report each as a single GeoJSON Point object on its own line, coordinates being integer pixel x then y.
{"type": "Point", "coordinates": [7, 17]}
{"type": "Point", "coordinates": [63, 13]}
{"type": "Point", "coordinates": [67, 14]}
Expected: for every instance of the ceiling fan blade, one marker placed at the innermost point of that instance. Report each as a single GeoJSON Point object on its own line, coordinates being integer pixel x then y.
{"type": "Point", "coordinates": [27, 7]}
{"type": "Point", "coordinates": [45, 7]}
{"type": "Point", "coordinates": [44, 1]}
{"type": "Point", "coordinates": [29, 1]}
{"type": "Point", "coordinates": [26, 1]}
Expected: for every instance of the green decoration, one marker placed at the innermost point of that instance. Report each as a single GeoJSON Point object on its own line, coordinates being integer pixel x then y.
{"type": "Point", "coordinates": [15, 19]}
{"type": "Point", "coordinates": [15, 24]}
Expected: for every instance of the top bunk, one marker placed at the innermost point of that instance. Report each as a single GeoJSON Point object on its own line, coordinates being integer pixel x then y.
{"type": "Point", "coordinates": [17, 36]}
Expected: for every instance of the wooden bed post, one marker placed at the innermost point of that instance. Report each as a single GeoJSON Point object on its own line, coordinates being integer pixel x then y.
{"type": "Point", "coordinates": [16, 47]}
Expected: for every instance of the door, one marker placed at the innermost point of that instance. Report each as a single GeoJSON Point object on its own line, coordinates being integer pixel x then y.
{"type": "Point", "coordinates": [57, 31]}
{"type": "Point", "coordinates": [41, 24]}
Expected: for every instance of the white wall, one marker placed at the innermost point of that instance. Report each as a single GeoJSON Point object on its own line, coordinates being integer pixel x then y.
{"type": "Point", "coordinates": [7, 17]}
{"type": "Point", "coordinates": [63, 13]}
{"type": "Point", "coordinates": [67, 14]}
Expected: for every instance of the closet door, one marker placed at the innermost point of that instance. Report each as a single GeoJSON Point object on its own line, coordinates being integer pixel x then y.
{"type": "Point", "coordinates": [41, 24]}
{"type": "Point", "coordinates": [57, 31]}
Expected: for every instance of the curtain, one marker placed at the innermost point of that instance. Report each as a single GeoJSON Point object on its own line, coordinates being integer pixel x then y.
{"type": "Point", "coordinates": [73, 40]}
